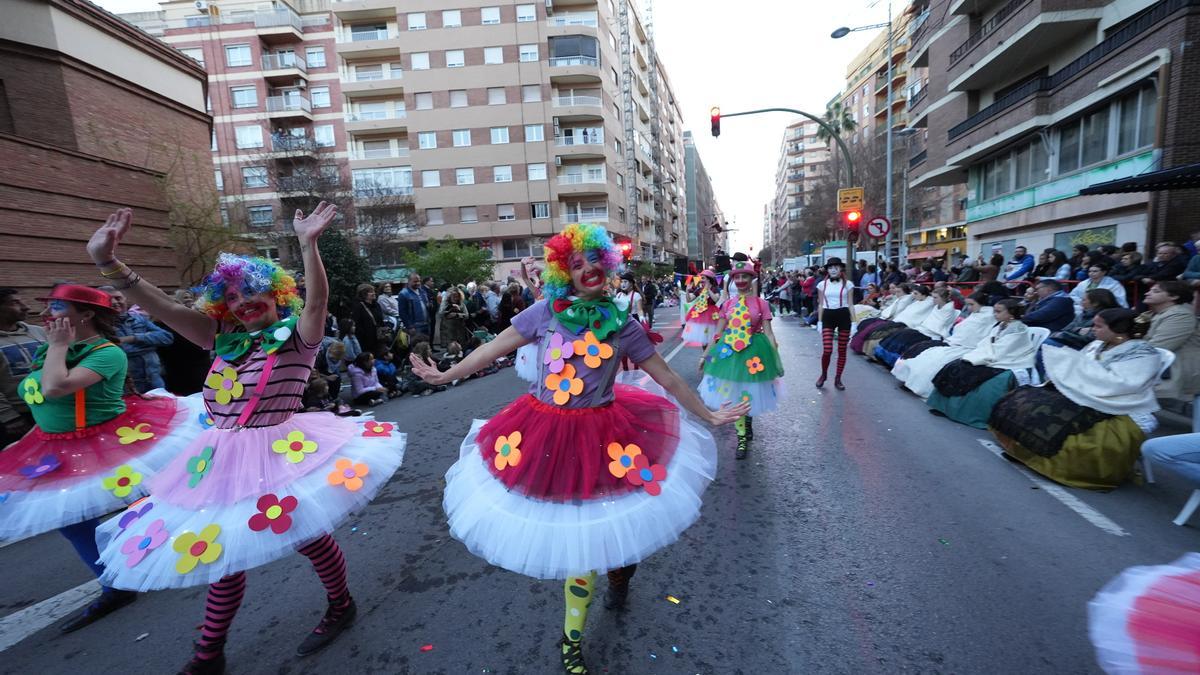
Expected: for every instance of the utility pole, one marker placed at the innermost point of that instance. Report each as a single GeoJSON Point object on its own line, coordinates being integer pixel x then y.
{"type": "Point", "coordinates": [888, 182]}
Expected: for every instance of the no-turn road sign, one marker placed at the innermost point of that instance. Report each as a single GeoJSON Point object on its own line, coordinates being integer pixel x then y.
{"type": "Point", "coordinates": [878, 228]}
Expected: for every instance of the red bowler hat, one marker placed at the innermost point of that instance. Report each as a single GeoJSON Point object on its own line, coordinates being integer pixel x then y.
{"type": "Point", "coordinates": [80, 294]}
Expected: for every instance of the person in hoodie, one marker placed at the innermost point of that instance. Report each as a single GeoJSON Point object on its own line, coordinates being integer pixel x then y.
{"type": "Point", "coordinates": [1054, 309]}
{"type": "Point", "coordinates": [1020, 267]}
{"type": "Point", "coordinates": [19, 342]}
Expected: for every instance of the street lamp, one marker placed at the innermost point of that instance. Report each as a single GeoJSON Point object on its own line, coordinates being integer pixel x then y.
{"type": "Point", "coordinates": [841, 33]}
{"type": "Point", "coordinates": [902, 248]}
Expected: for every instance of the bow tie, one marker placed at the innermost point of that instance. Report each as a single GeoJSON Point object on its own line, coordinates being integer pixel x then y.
{"type": "Point", "coordinates": [602, 317]}
{"type": "Point", "coordinates": [233, 346]}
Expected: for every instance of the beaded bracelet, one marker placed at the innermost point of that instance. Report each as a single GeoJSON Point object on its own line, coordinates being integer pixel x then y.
{"type": "Point", "coordinates": [132, 280]}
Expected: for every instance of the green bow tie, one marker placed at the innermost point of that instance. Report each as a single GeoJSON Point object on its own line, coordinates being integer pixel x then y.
{"type": "Point", "coordinates": [602, 316]}
{"type": "Point", "coordinates": [233, 346]}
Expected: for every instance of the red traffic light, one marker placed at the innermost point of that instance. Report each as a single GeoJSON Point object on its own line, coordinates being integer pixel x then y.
{"type": "Point", "coordinates": [626, 249]}
{"type": "Point", "coordinates": [852, 219]}
{"type": "Point", "coordinates": [715, 114]}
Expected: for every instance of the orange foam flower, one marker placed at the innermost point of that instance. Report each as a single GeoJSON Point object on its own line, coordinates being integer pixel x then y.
{"type": "Point", "coordinates": [593, 351]}
{"type": "Point", "coordinates": [564, 385]}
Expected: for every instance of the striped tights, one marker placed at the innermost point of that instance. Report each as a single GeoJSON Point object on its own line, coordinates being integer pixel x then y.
{"type": "Point", "coordinates": [225, 596]}
{"type": "Point", "coordinates": [843, 341]}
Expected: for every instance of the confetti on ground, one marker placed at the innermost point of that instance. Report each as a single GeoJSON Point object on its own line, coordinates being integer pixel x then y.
{"type": "Point", "coordinates": [354, 529]}
{"type": "Point", "coordinates": [870, 583]}
{"type": "Point", "coordinates": [944, 542]}
{"type": "Point", "coordinates": [675, 649]}
{"type": "Point", "coordinates": [426, 648]}
{"type": "Point", "coordinates": [141, 637]}
{"type": "Point", "coordinates": [672, 599]}
{"type": "Point", "coordinates": [653, 656]}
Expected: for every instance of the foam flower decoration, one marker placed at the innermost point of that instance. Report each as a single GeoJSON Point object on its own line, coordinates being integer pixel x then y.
{"type": "Point", "coordinates": [622, 458]}
{"type": "Point", "coordinates": [724, 352]}
{"type": "Point", "coordinates": [137, 547]}
{"type": "Point", "coordinates": [295, 446]}
{"type": "Point", "coordinates": [647, 475]}
{"type": "Point", "coordinates": [274, 513]}
{"type": "Point", "coordinates": [508, 451]}
{"type": "Point", "coordinates": [199, 465]}
{"type": "Point", "coordinates": [123, 480]}
{"type": "Point", "coordinates": [724, 390]}
{"type": "Point", "coordinates": [348, 474]}
{"type": "Point", "coordinates": [564, 384]}
{"type": "Point", "coordinates": [43, 466]}
{"type": "Point", "coordinates": [4, 497]}
{"type": "Point", "coordinates": [755, 365]}
{"type": "Point", "coordinates": [135, 433]}
{"type": "Point", "coordinates": [375, 429]}
{"type": "Point", "coordinates": [557, 352]}
{"type": "Point", "coordinates": [197, 548]}
{"type": "Point", "coordinates": [745, 396]}
{"type": "Point", "coordinates": [593, 351]}
{"type": "Point", "coordinates": [206, 421]}
{"type": "Point", "coordinates": [31, 391]}
{"type": "Point", "coordinates": [134, 513]}
{"type": "Point", "coordinates": [225, 385]}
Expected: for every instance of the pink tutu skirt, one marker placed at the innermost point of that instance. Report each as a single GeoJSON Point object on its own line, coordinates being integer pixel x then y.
{"type": "Point", "coordinates": [49, 480]}
{"type": "Point", "coordinates": [700, 328]}
{"type": "Point", "coordinates": [239, 498]}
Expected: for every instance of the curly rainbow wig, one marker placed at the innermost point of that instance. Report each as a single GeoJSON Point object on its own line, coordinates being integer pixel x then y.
{"type": "Point", "coordinates": [576, 238]}
{"type": "Point", "coordinates": [253, 275]}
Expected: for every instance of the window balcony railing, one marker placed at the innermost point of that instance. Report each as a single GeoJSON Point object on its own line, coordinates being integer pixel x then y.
{"type": "Point", "coordinates": [986, 29]}
{"type": "Point", "coordinates": [373, 76]}
{"type": "Point", "coordinates": [576, 99]}
{"type": "Point", "coordinates": [575, 19]}
{"type": "Point", "coordinates": [283, 62]}
{"type": "Point", "coordinates": [915, 97]}
{"type": "Point", "coordinates": [380, 153]}
{"type": "Point", "coordinates": [280, 17]}
{"type": "Point", "coordinates": [579, 178]}
{"type": "Point", "coordinates": [585, 139]}
{"type": "Point", "coordinates": [361, 191]}
{"type": "Point", "coordinates": [372, 115]}
{"type": "Point", "coordinates": [288, 104]}
{"type": "Point", "coordinates": [574, 61]}
{"type": "Point", "coordinates": [366, 35]}
{"type": "Point", "coordinates": [286, 143]}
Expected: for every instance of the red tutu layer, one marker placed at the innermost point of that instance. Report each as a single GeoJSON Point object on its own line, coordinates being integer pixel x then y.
{"type": "Point", "coordinates": [564, 454]}
{"type": "Point", "coordinates": [711, 315]}
{"type": "Point", "coordinates": [40, 460]}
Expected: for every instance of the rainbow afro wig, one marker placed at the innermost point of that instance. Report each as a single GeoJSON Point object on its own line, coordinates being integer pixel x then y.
{"type": "Point", "coordinates": [252, 275]}
{"type": "Point", "coordinates": [585, 238]}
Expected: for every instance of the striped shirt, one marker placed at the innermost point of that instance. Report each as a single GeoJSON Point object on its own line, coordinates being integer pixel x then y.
{"type": "Point", "coordinates": [282, 396]}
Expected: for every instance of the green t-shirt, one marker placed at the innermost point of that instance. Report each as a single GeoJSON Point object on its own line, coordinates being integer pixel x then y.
{"type": "Point", "coordinates": [103, 399]}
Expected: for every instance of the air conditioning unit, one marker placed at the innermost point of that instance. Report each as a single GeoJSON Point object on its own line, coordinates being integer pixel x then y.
{"type": "Point", "coordinates": [555, 120]}
{"type": "Point", "coordinates": [558, 160]}
{"type": "Point", "coordinates": [956, 249]}
{"type": "Point", "coordinates": [301, 84]}
{"type": "Point", "coordinates": [201, 5]}
{"type": "Point", "coordinates": [549, 6]}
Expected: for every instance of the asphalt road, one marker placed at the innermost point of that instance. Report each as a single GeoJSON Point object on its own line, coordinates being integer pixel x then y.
{"type": "Point", "coordinates": [863, 535]}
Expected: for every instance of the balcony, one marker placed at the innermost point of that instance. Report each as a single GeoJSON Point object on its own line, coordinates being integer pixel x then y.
{"type": "Point", "coordinates": [280, 107]}
{"type": "Point", "coordinates": [362, 10]}
{"type": "Point", "coordinates": [365, 192]}
{"type": "Point", "coordinates": [284, 145]}
{"type": "Point", "coordinates": [306, 184]}
{"type": "Point", "coordinates": [376, 121]}
{"type": "Point", "coordinates": [590, 146]}
{"type": "Point", "coordinates": [574, 70]}
{"type": "Point", "coordinates": [283, 68]}
{"type": "Point", "coordinates": [917, 95]}
{"type": "Point", "coordinates": [374, 154]}
{"type": "Point", "coordinates": [279, 27]}
{"type": "Point", "coordinates": [575, 19]}
{"type": "Point", "coordinates": [579, 107]}
{"type": "Point", "coordinates": [582, 184]}
{"type": "Point", "coordinates": [370, 83]}
{"type": "Point", "coordinates": [379, 43]}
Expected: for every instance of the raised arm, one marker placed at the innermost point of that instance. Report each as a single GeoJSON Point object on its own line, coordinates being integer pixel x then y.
{"type": "Point", "coordinates": [102, 248]}
{"type": "Point", "coordinates": [316, 302]}
{"type": "Point", "coordinates": [57, 379]}
{"type": "Point", "coordinates": [504, 343]}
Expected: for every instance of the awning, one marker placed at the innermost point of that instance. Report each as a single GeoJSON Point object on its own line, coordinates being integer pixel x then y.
{"type": "Point", "coordinates": [921, 255]}
{"type": "Point", "coordinates": [1181, 177]}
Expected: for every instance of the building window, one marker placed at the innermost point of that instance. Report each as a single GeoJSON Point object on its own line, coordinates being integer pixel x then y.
{"type": "Point", "coordinates": [420, 60]}
{"type": "Point", "coordinates": [254, 176]}
{"type": "Point", "coordinates": [214, 140]}
{"type": "Point", "coordinates": [249, 137]}
{"type": "Point", "coordinates": [1068, 147]}
{"type": "Point", "coordinates": [496, 96]}
{"type": "Point", "coordinates": [427, 140]}
{"type": "Point", "coordinates": [499, 135]}
{"type": "Point", "coordinates": [244, 97]}
{"type": "Point", "coordinates": [416, 21]}
{"type": "Point", "coordinates": [269, 252]}
{"type": "Point", "coordinates": [507, 212]}
{"type": "Point", "coordinates": [468, 214]}
{"type": "Point", "coordinates": [458, 98]}
{"type": "Point", "coordinates": [502, 174]}
{"type": "Point", "coordinates": [493, 55]}
{"type": "Point", "coordinates": [433, 217]}
{"type": "Point", "coordinates": [260, 216]}
{"type": "Point", "coordinates": [526, 13]}
{"type": "Point", "coordinates": [540, 210]}
{"type": "Point", "coordinates": [490, 16]}
{"type": "Point", "coordinates": [219, 178]}
{"type": "Point", "coordinates": [535, 133]}
{"type": "Point", "coordinates": [462, 138]}
{"type": "Point", "coordinates": [464, 176]}
{"type": "Point", "coordinates": [531, 93]}
{"type": "Point", "coordinates": [320, 97]}
{"type": "Point", "coordinates": [376, 149]}
{"type": "Point", "coordinates": [431, 178]}
{"type": "Point", "coordinates": [1138, 114]}
{"type": "Point", "coordinates": [323, 135]}
{"type": "Point", "coordinates": [537, 171]}
{"type": "Point", "coordinates": [455, 58]}
{"type": "Point", "coordinates": [315, 57]}
{"type": "Point", "coordinates": [451, 18]}
{"type": "Point", "coordinates": [574, 50]}
{"type": "Point", "coordinates": [424, 101]}
{"type": "Point", "coordinates": [1095, 137]}
{"type": "Point", "coordinates": [516, 248]}
{"type": "Point", "coordinates": [237, 55]}
{"type": "Point", "coordinates": [528, 53]}
{"type": "Point", "coordinates": [225, 216]}
{"type": "Point", "coordinates": [194, 53]}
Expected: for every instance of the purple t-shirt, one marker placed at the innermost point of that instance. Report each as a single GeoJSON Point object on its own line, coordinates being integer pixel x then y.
{"type": "Point", "coordinates": [533, 324]}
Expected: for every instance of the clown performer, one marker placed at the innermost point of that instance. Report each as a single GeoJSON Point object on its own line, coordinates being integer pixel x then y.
{"type": "Point", "coordinates": [582, 475]}
{"type": "Point", "coordinates": [835, 298]}
{"type": "Point", "coordinates": [91, 449]}
{"type": "Point", "coordinates": [700, 323]}
{"type": "Point", "coordinates": [743, 363]}
{"type": "Point", "coordinates": [263, 481]}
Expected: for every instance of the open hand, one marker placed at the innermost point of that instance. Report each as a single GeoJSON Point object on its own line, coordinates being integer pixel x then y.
{"type": "Point", "coordinates": [60, 333]}
{"type": "Point", "coordinates": [309, 229]}
{"type": "Point", "coordinates": [102, 247]}
{"type": "Point", "coordinates": [729, 413]}
{"type": "Point", "coordinates": [427, 372]}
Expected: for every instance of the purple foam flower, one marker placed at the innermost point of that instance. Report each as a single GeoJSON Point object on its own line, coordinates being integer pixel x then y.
{"type": "Point", "coordinates": [557, 353]}
{"type": "Point", "coordinates": [133, 514]}
{"type": "Point", "coordinates": [138, 547]}
{"type": "Point", "coordinates": [44, 466]}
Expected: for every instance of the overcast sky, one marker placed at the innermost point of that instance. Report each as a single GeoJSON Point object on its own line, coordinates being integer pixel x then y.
{"type": "Point", "coordinates": [741, 56]}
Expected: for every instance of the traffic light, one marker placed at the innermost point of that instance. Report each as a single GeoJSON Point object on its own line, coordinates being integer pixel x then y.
{"type": "Point", "coordinates": [716, 121]}
{"type": "Point", "coordinates": [626, 249]}
{"type": "Point", "coordinates": [852, 220]}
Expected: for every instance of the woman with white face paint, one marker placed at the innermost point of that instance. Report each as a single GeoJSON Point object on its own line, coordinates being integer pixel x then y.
{"type": "Point", "coordinates": [835, 296]}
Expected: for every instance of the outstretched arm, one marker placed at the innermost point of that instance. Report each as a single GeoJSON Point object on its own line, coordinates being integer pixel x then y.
{"type": "Point", "coordinates": [308, 231]}
{"type": "Point", "coordinates": [504, 343]}
{"type": "Point", "coordinates": [656, 367]}
{"type": "Point", "coordinates": [102, 248]}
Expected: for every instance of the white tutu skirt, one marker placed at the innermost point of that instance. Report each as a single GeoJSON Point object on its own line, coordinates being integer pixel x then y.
{"type": "Point", "coordinates": [764, 396]}
{"type": "Point", "coordinates": [527, 365]}
{"type": "Point", "coordinates": [180, 536]}
{"type": "Point", "coordinates": [698, 334]}
{"type": "Point", "coordinates": [29, 513]}
{"type": "Point", "coordinates": [554, 540]}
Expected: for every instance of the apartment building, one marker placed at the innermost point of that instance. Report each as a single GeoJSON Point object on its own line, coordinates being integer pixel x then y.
{"type": "Point", "coordinates": [703, 213]}
{"type": "Point", "coordinates": [1031, 101]}
{"type": "Point", "coordinates": [496, 123]}
{"type": "Point", "coordinates": [866, 91]}
{"type": "Point", "coordinates": [803, 163]}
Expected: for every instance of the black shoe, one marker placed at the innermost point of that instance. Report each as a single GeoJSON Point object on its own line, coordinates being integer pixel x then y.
{"type": "Point", "coordinates": [572, 657]}
{"type": "Point", "coordinates": [101, 607]}
{"type": "Point", "coordinates": [743, 447]}
{"type": "Point", "coordinates": [749, 428]}
{"type": "Point", "coordinates": [821, 382]}
{"type": "Point", "coordinates": [617, 596]}
{"type": "Point", "coordinates": [214, 665]}
{"type": "Point", "coordinates": [336, 620]}
{"type": "Point", "coordinates": [837, 384]}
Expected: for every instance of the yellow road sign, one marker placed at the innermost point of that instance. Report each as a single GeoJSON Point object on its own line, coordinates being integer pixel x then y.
{"type": "Point", "coordinates": [850, 199]}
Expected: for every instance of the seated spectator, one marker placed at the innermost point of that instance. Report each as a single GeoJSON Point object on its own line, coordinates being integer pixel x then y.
{"type": "Point", "coordinates": [966, 390]}
{"type": "Point", "coordinates": [1085, 427]}
{"type": "Point", "coordinates": [1097, 277]}
{"type": "Point", "coordinates": [1168, 264]}
{"type": "Point", "coordinates": [1179, 454]}
{"type": "Point", "coordinates": [1057, 266]}
{"type": "Point", "coordinates": [909, 317]}
{"type": "Point", "coordinates": [365, 388]}
{"type": "Point", "coordinates": [1043, 269]}
{"type": "Point", "coordinates": [899, 297]}
{"type": "Point", "coordinates": [1191, 274]}
{"type": "Point", "coordinates": [350, 341]}
{"type": "Point", "coordinates": [1128, 268]}
{"type": "Point", "coordinates": [969, 272]}
{"type": "Point", "coordinates": [936, 326]}
{"type": "Point", "coordinates": [1173, 327]}
{"type": "Point", "coordinates": [385, 370]}
{"type": "Point", "coordinates": [1020, 267]}
{"type": "Point", "coordinates": [916, 369]}
{"type": "Point", "coordinates": [454, 354]}
{"type": "Point", "coordinates": [991, 271]}
{"type": "Point", "coordinates": [1078, 333]}
{"type": "Point", "coordinates": [317, 398]}
{"type": "Point", "coordinates": [413, 384]}
{"type": "Point", "coordinates": [1053, 309]}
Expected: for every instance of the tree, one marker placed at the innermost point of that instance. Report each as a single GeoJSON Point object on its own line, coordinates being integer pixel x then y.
{"type": "Point", "coordinates": [766, 255]}
{"type": "Point", "coordinates": [345, 269]}
{"type": "Point", "coordinates": [838, 117]}
{"type": "Point", "coordinates": [451, 260]}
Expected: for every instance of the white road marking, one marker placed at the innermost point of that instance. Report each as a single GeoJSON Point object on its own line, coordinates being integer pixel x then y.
{"type": "Point", "coordinates": [675, 351]}
{"type": "Point", "coordinates": [19, 625]}
{"type": "Point", "coordinates": [1069, 500]}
